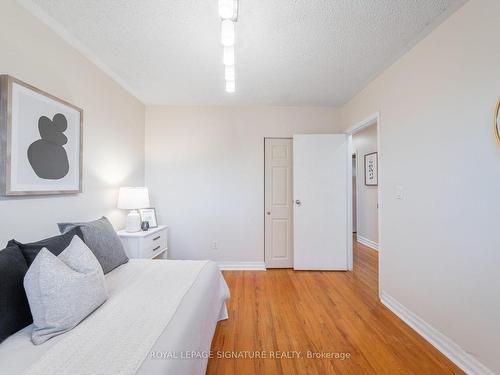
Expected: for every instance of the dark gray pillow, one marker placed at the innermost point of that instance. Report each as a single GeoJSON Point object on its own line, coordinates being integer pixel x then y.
{"type": "Point", "coordinates": [100, 236]}
{"type": "Point", "coordinates": [14, 309]}
{"type": "Point", "coordinates": [54, 244]}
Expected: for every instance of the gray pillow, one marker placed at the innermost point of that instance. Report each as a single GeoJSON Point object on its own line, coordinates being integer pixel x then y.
{"type": "Point", "coordinates": [63, 290]}
{"type": "Point", "coordinates": [101, 238]}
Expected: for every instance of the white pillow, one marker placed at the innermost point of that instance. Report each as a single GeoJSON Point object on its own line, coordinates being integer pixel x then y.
{"type": "Point", "coordinates": [63, 290]}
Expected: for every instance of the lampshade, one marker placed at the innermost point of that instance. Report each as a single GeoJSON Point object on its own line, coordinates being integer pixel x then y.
{"type": "Point", "coordinates": [132, 198]}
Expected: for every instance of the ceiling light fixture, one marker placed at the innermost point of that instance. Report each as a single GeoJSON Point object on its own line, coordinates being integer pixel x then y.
{"type": "Point", "coordinates": [228, 11]}
{"type": "Point", "coordinates": [227, 33]}
{"type": "Point", "coordinates": [229, 73]}
{"type": "Point", "coordinates": [228, 55]}
{"type": "Point", "coordinates": [230, 86]}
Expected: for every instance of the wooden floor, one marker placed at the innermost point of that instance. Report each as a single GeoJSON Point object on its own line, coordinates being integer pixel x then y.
{"type": "Point", "coordinates": [337, 314]}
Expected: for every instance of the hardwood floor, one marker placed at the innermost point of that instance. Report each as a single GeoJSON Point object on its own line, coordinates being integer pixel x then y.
{"type": "Point", "coordinates": [280, 312]}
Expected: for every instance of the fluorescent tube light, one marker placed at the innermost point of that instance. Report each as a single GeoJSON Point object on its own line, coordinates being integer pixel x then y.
{"type": "Point", "coordinates": [227, 36]}
{"type": "Point", "coordinates": [230, 86]}
{"type": "Point", "coordinates": [228, 55]}
{"type": "Point", "coordinates": [229, 73]}
{"type": "Point", "coordinates": [228, 9]}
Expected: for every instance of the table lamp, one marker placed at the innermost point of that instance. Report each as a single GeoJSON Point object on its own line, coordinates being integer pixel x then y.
{"type": "Point", "coordinates": [133, 198]}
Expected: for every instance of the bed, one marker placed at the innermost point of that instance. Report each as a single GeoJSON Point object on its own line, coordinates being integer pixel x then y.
{"type": "Point", "coordinates": [180, 346]}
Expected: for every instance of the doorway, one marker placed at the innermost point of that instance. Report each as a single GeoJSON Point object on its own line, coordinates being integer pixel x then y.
{"type": "Point", "coordinates": [364, 194]}
{"type": "Point", "coordinates": [365, 190]}
{"type": "Point", "coordinates": [278, 201]}
{"type": "Point", "coordinates": [354, 188]}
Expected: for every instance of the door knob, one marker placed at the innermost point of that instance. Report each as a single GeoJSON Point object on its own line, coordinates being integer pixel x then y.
{"type": "Point", "coordinates": [298, 202]}
{"type": "Point", "coordinates": [268, 212]}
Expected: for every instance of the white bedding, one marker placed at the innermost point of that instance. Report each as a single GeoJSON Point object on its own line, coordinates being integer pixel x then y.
{"type": "Point", "coordinates": [189, 330]}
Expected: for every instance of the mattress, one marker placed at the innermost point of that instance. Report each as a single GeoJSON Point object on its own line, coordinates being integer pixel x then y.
{"type": "Point", "coordinates": [181, 348]}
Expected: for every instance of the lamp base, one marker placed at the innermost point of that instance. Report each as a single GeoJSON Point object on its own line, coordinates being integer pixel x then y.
{"type": "Point", "coordinates": [133, 221]}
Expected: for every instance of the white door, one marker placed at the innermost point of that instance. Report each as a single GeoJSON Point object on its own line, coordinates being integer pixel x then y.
{"type": "Point", "coordinates": [278, 203]}
{"type": "Point", "coordinates": [320, 209]}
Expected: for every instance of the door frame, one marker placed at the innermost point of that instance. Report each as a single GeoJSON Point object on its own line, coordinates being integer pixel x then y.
{"type": "Point", "coordinates": [373, 119]}
{"type": "Point", "coordinates": [264, 203]}
{"type": "Point", "coordinates": [354, 189]}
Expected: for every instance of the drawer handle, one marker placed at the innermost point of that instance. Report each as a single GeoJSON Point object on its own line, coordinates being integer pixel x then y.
{"type": "Point", "coordinates": [156, 248]}
{"type": "Point", "coordinates": [156, 238]}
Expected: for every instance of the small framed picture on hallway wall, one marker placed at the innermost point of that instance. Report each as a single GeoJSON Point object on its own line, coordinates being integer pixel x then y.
{"type": "Point", "coordinates": [496, 121]}
{"type": "Point", "coordinates": [371, 169]}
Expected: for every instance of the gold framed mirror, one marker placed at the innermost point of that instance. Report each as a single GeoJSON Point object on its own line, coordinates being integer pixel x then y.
{"type": "Point", "coordinates": [496, 121]}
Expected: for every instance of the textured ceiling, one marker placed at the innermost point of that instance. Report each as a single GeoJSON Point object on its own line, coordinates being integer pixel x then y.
{"type": "Point", "coordinates": [288, 52]}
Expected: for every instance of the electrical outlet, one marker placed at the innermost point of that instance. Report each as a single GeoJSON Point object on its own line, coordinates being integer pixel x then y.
{"type": "Point", "coordinates": [215, 245]}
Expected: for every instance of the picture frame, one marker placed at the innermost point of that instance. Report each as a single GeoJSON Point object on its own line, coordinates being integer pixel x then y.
{"type": "Point", "coordinates": [371, 169]}
{"type": "Point", "coordinates": [496, 121]}
{"type": "Point", "coordinates": [41, 141]}
{"type": "Point", "coordinates": [149, 215]}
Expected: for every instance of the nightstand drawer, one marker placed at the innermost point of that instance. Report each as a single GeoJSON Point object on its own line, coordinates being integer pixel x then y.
{"type": "Point", "coordinates": [147, 244]}
{"type": "Point", "coordinates": [156, 239]}
{"type": "Point", "coordinates": [153, 251]}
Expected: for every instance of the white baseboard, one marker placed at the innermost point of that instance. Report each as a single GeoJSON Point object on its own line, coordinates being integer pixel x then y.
{"type": "Point", "coordinates": [242, 266]}
{"type": "Point", "coordinates": [444, 344]}
{"type": "Point", "coordinates": [367, 242]}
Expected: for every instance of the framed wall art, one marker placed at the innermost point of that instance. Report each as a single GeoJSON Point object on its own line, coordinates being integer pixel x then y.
{"type": "Point", "coordinates": [496, 121]}
{"type": "Point", "coordinates": [40, 141]}
{"type": "Point", "coordinates": [371, 169]}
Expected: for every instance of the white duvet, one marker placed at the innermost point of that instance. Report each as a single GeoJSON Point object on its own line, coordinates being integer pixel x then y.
{"type": "Point", "coordinates": [157, 310]}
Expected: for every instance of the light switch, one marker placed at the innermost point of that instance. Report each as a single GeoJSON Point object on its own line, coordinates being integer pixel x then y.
{"type": "Point", "coordinates": [399, 192]}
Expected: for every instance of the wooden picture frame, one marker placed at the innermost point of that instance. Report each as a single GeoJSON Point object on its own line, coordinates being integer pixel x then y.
{"type": "Point", "coordinates": [57, 139]}
{"type": "Point", "coordinates": [149, 215]}
{"type": "Point", "coordinates": [496, 121]}
{"type": "Point", "coordinates": [371, 169]}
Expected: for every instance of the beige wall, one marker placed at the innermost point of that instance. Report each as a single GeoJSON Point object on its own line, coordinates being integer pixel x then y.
{"type": "Point", "coordinates": [205, 169]}
{"type": "Point", "coordinates": [365, 142]}
{"type": "Point", "coordinates": [440, 249]}
{"type": "Point", "coordinates": [113, 127]}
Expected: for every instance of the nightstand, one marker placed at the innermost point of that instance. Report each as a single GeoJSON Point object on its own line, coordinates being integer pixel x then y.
{"type": "Point", "coordinates": [149, 244]}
